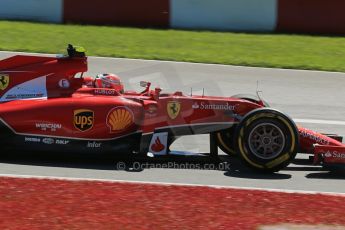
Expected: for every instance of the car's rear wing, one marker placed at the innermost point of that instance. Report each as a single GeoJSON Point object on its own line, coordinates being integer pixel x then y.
{"type": "Point", "coordinates": [28, 77]}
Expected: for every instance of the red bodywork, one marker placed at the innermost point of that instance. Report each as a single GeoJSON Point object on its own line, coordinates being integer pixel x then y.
{"type": "Point", "coordinates": [60, 110]}
{"type": "Point", "coordinates": [330, 156]}
{"type": "Point", "coordinates": [59, 106]}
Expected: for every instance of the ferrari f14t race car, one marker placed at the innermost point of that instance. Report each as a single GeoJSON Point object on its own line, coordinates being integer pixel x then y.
{"type": "Point", "coordinates": [46, 104]}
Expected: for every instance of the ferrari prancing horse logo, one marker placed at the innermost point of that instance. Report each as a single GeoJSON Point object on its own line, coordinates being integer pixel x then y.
{"type": "Point", "coordinates": [173, 109]}
{"type": "Point", "coordinates": [4, 81]}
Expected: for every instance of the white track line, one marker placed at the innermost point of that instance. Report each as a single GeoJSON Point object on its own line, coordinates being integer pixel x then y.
{"type": "Point", "coordinates": [169, 184]}
{"type": "Point", "coordinates": [315, 121]}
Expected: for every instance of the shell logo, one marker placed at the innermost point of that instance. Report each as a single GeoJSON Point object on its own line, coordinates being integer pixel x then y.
{"type": "Point", "coordinates": [119, 119]}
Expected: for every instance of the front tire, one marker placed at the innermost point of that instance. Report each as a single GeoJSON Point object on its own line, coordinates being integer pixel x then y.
{"type": "Point", "coordinates": [225, 141]}
{"type": "Point", "coordinates": [266, 140]}
{"type": "Point", "coordinates": [225, 138]}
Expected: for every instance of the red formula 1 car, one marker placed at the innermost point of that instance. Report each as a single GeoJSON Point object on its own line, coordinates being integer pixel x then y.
{"type": "Point", "coordinates": [45, 105]}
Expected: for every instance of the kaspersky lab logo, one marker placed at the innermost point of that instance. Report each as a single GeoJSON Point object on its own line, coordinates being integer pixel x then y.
{"type": "Point", "coordinates": [83, 119]}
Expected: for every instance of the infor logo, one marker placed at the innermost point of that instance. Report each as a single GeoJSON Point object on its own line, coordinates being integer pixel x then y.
{"type": "Point", "coordinates": [83, 119]}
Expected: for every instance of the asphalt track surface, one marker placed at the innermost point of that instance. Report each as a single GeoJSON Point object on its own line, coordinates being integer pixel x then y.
{"type": "Point", "coordinates": [314, 99]}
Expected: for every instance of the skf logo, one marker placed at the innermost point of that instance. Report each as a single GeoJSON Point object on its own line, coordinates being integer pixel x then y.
{"type": "Point", "coordinates": [4, 81]}
{"type": "Point", "coordinates": [173, 109]}
{"type": "Point", "coordinates": [83, 119]}
{"type": "Point", "coordinates": [119, 119]}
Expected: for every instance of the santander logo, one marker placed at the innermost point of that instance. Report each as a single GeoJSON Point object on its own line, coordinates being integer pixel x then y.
{"type": "Point", "coordinates": [157, 146]}
{"type": "Point", "coordinates": [328, 154]}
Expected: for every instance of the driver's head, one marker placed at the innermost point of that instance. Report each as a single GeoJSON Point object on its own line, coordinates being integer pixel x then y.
{"type": "Point", "coordinates": [110, 81]}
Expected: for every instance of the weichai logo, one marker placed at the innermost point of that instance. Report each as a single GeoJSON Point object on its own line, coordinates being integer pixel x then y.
{"type": "Point", "coordinates": [83, 119]}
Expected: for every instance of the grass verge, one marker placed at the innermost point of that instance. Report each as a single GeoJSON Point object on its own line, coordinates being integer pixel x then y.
{"type": "Point", "coordinates": [263, 50]}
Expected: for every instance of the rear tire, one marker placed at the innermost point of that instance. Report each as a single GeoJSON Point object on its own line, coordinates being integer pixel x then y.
{"type": "Point", "coordinates": [266, 140]}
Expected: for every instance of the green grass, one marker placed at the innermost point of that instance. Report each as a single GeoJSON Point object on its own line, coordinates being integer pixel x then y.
{"type": "Point", "coordinates": [265, 50]}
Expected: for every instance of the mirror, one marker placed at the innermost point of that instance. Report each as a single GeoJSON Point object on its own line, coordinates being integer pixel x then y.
{"type": "Point", "coordinates": [157, 92]}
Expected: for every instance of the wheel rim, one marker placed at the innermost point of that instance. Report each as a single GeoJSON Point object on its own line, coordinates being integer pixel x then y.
{"type": "Point", "coordinates": [266, 141]}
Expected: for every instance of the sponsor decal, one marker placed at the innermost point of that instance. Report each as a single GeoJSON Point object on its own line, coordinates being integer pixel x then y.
{"type": "Point", "coordinates": [314, 137]}
{"type": "Point", "coordinates": [195, 105]}
{"type": "Point", "coordinates": [328, 154]}
{"type": "Point", "coordinates": [64, 84]}
{"type": "Point", "coordinates": [205, 106]}
{"type": "Point", "coordinates": [83, 119]}
{"type": "Point", "coordinates": [119, 119]}
{"type": "Point", "coordinates": [158, 144]}
{"type": "Point", "coordinates": [93, 144]}
{"type": "Point", "coordinates": [61, 142]}
{"type": "Point", "coordinates": [173, 109]}
{"type": "Point", "coordinates": [32, 139]}
{"type": "Point", "coordinates": [23, 96]}
{"type": "Point", "coordinates": [48, 126]}
{"type": "Point", "coordinates": [107, 92]}
{"type": "Point", "coordinates": [4, 81]}
{"type": "Point", "coordinates": [11, 97]}
{"type": "Point", "coordinates": [335, 154]}
{"type": "Point", "coordinates": [33, 89]}
{"type": "Point", "coordinates": [48, 141]}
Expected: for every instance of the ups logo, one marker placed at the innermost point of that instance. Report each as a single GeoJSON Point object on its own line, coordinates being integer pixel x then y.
{"type": "Point", "coordinates": [83, 119]}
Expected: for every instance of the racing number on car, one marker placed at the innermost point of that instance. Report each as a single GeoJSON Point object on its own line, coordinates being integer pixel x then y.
{"type": "Point", "coordinates": [4, 81]}
{"type": "Point", "coordinates": [83, 119]}
{"type": "Point", "coordinates": [173, 109]}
